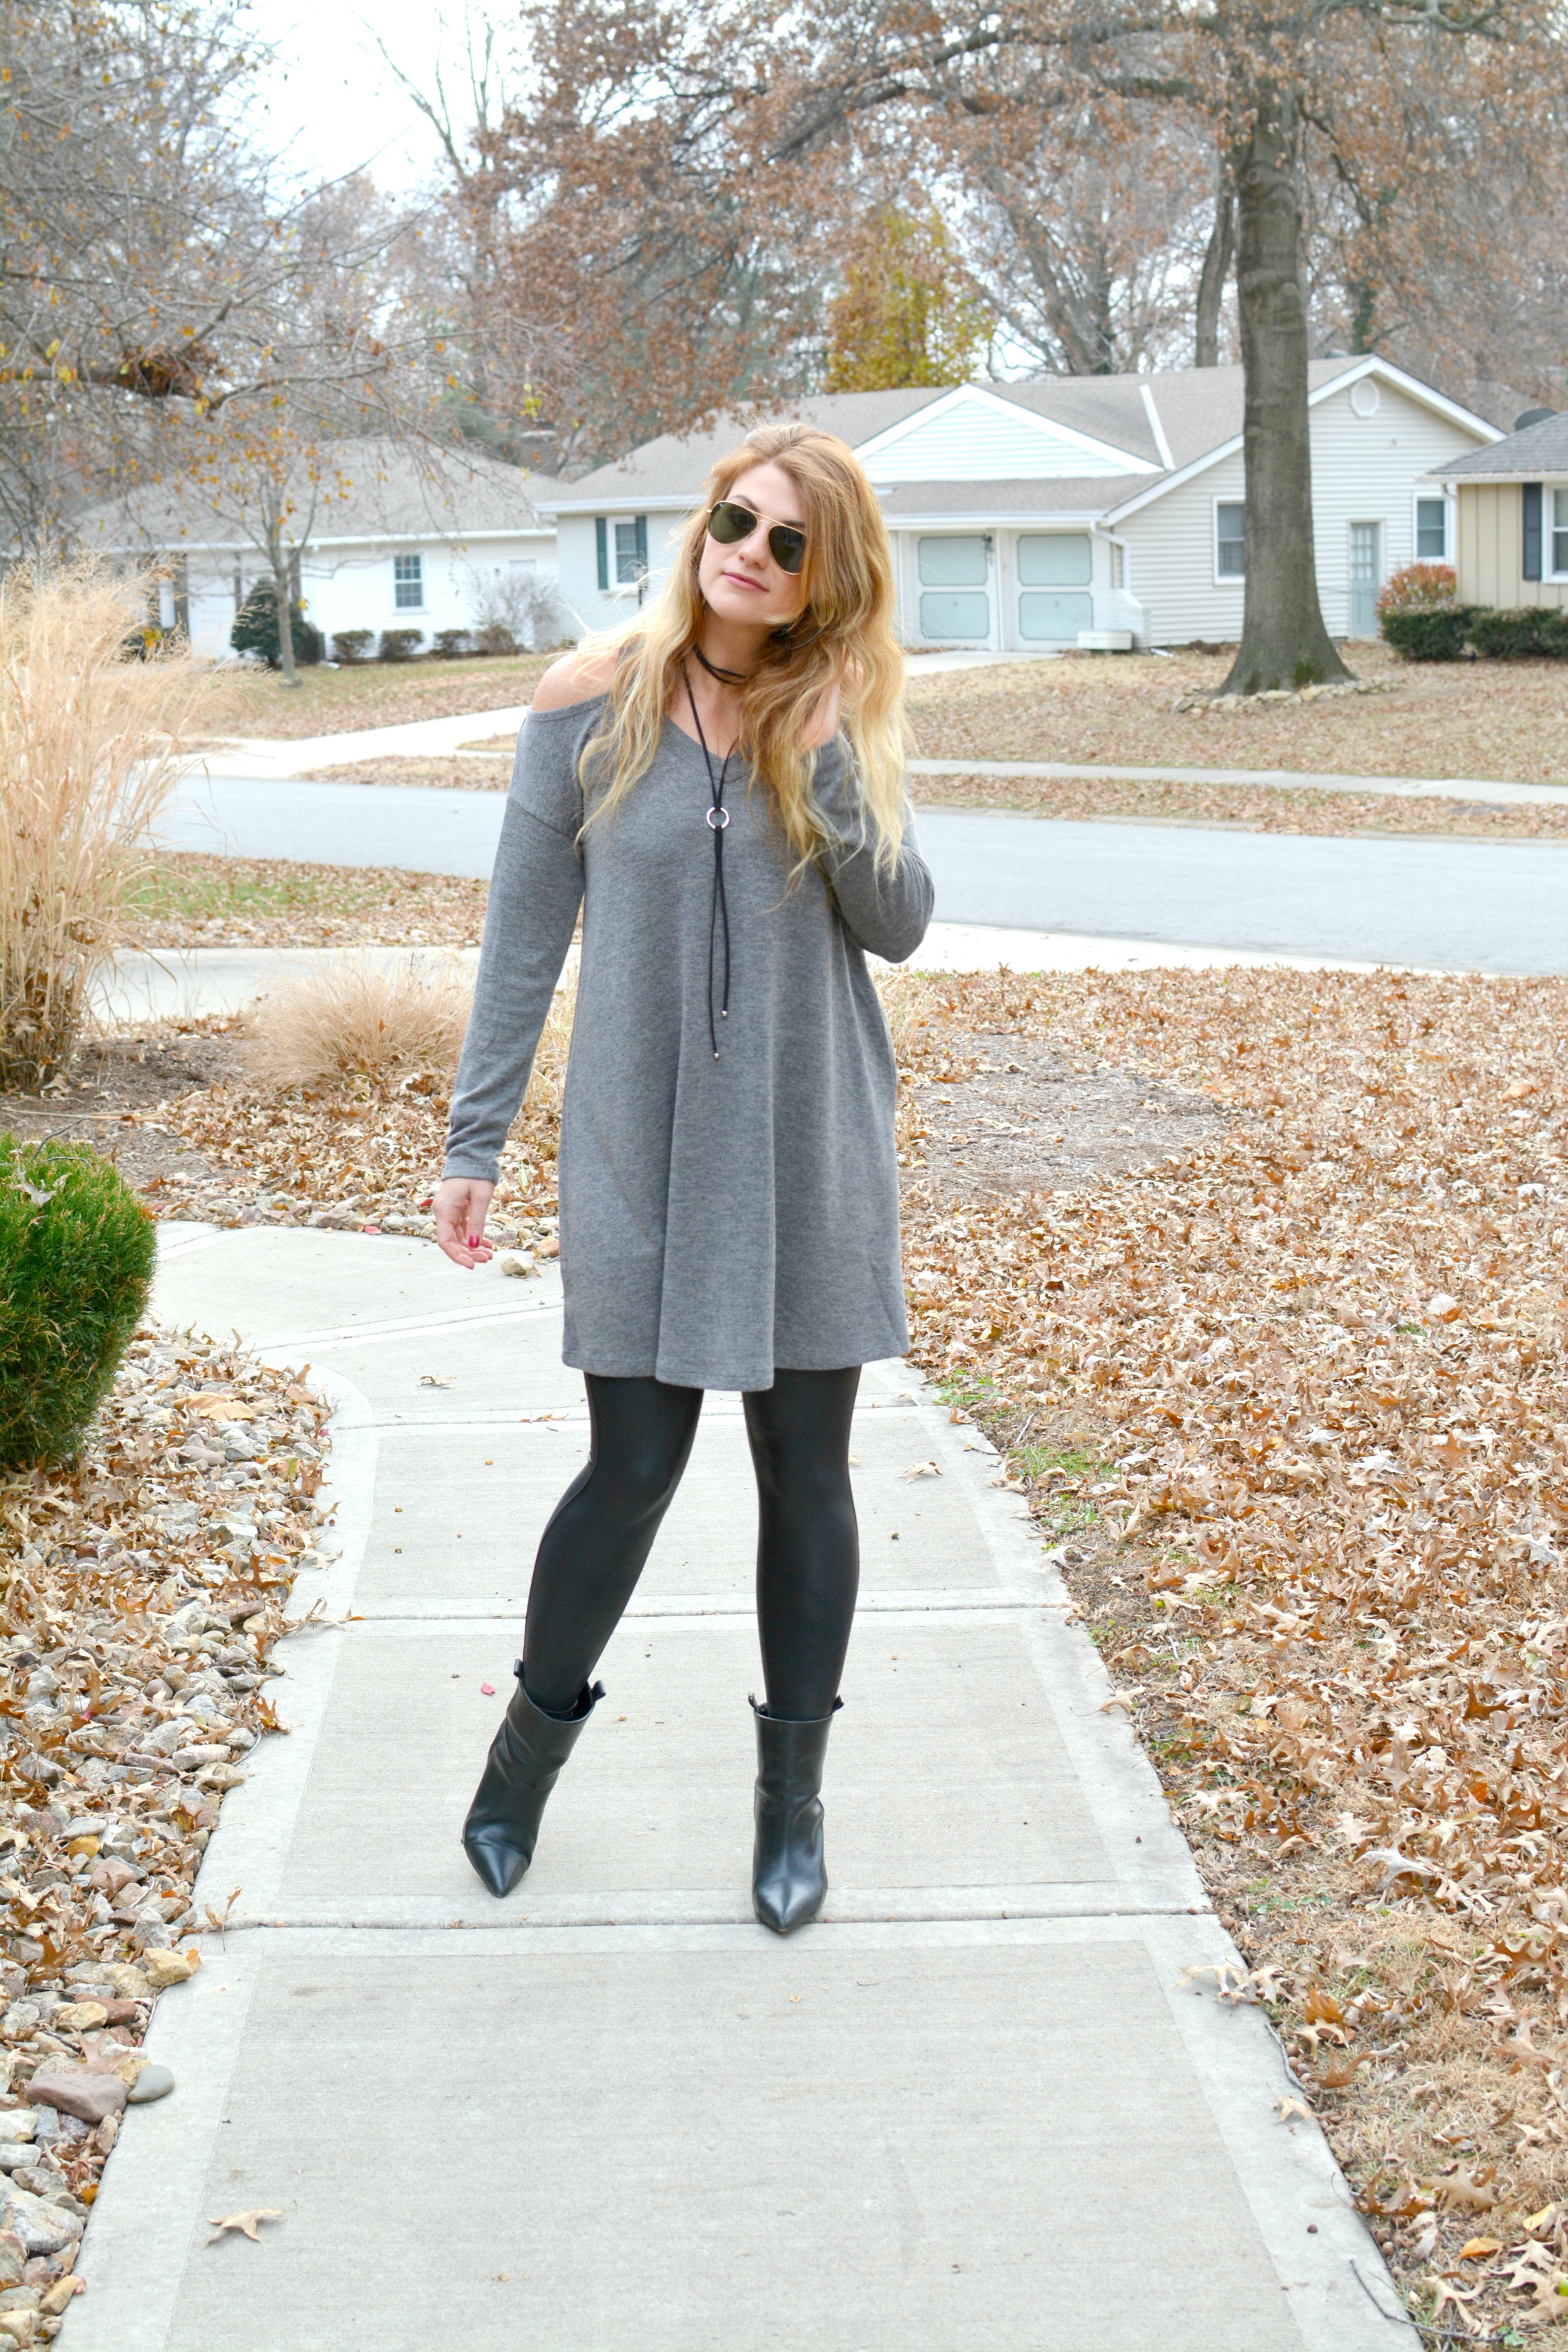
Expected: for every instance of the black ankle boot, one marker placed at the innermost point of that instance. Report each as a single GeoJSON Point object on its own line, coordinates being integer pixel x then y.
{"type": "Point", "coordinates": [524, 1762]}
{"type": "Point", "coordinates": [789, 1876]}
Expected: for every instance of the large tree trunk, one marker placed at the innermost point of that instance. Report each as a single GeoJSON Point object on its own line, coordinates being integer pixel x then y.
{"type": "Point", "coordinates": [1218, 258]}
{"type": "Point", "coordinates": [1283, 640]}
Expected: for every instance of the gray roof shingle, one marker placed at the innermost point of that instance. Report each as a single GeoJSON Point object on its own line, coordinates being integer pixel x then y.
{"type": "Point", "coordinates": [373, 489]}
{"type": "Point", "coordinates": [1517, 457]}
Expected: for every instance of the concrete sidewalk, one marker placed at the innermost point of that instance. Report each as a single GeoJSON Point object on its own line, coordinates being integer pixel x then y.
{"type": "Point", "coordinates": [975, 2109]}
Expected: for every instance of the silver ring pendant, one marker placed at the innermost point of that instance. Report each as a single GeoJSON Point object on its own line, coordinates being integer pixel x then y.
{"type": "Point", "coordinates": [718, 818]}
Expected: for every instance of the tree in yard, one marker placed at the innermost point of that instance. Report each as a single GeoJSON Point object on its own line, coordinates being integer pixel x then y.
{"type": "Point", "coordinates": [1250, 75]}
{"type": "Point", "coordinates": [908, 313]}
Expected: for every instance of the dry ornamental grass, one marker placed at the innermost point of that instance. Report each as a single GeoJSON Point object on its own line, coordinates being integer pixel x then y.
{"type": "Point", "coordinates": [88, 753]}
{"type": "Point", "coordinates": [360, 1021]}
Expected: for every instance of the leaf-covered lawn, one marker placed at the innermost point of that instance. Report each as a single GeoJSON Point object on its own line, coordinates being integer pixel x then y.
{"type": "Point", "coordinates": [1491, 720]}
{"type": "Point", "coordinates": [1295, 1405]}
{"type": "Point", "coordinates": [1253, 808]}
{"type": "Point", "coordinates": [194, 901]}
{"type": "Point", "coordinates": [250, 700]}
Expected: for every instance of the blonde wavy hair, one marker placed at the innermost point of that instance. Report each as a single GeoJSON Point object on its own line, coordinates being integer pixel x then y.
{"type": "Point", "coordinates": [842, 636]}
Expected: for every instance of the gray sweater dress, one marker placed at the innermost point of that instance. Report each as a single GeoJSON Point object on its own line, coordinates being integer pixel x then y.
{"type": "Point", "coordinates": [718, 1217]}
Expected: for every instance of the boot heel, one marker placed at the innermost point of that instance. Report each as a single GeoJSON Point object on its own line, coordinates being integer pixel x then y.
{"type": "Point", "coordinates": [789, 1872]}
{"type": "Point", "coordinates": [522, 1767]}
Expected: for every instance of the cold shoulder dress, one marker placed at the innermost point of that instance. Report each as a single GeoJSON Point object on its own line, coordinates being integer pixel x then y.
{"type": "Point", "coordinates": [719, 1217]}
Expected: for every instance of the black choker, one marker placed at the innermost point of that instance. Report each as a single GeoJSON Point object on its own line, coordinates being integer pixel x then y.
{"type": "Point", "coordinates": [729, 677]}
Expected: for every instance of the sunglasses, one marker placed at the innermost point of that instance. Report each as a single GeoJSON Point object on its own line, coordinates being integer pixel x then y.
{"type": "Point", "coordinates": [729, 523]}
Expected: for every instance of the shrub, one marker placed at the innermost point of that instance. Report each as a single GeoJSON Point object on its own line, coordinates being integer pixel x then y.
{"type": "Point", "coordinates": [399, 645]}
{"type": "Point", "coordinates": [77, 1249]}
{"type": "Point", "coordinates": [1417, 589]}
{"type": "Point", "coordinates": [1521, 635]}
{"type": "Point", "coordinates": [1431, 633]}
{"type": "Point", "coordinates": [451, 644]}
{"type": "Point", "coordinates": [361, 1019]}
{"type": "Point", "coordinates": [255, 629]}
{"type": "Point", "coordinates": [351, 646]}
{"type": "Point", "coordinates": [90, 751]}
{"type": "Point", "coordinates": [513, 608]}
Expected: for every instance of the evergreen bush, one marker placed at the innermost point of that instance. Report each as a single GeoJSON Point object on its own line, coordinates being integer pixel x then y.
{"type": "Point", "coordinates": [77, 1249]}
{"type": "Point", "coordinates": [400, 645]}
{"type": "Point", "coordinates": [451, 644]}
{"type": "Point", "coordinates": [1539, 630]}
{"type": "Point", "coordinates": [255, 630]}
{"type": "Point", "coordinates": [1429, 632]}
{"type": "Point", "coordinates": [351, 646]}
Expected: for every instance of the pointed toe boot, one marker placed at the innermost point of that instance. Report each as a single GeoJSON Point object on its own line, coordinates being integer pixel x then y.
{"type": "Point", "coordinates": [522, 1767]}
{"type": "Point", "coordinates": [789, 1874]}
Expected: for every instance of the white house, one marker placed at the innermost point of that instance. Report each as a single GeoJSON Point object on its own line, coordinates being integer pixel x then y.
{"type": "Point", "coordinates": [399, 538]}
{"type": "Point", "coordinates": [1025, 514]}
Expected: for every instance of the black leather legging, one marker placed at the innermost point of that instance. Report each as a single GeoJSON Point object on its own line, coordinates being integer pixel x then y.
{"type": "Point", "coordinates": [601, 1530]}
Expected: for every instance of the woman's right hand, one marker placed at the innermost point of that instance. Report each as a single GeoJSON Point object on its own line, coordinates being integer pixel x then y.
{"type": "Point", "coordinates": [462, 1204]}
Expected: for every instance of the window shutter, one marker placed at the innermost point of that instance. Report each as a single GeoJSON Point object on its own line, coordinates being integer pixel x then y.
{"type": "Point", "coordinates": [602, 543]}
{"type": "Point", "coordinates": [1532, 531]}
{"type": "Point", "coordinates": [642, 544]}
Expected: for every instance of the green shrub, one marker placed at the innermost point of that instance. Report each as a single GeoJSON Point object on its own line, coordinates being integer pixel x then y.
{"type": "Point", "coordinates": [1429, 632]}
{"type": "Point", "coordinates": [352, 645]}
{"type": "Point", "coordinates": [255, 629]}
{"type": "Point", "coordinates": [1522, 635]}
{"type": "Point", "coordinates": [451, 644]}
{"type": "Point", "coordinates": [400, 645]}
{"type": "Point", "coordinates": [77, 1249]}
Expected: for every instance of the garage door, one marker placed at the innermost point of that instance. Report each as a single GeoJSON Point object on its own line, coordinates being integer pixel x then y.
{"type": "Point", "coordinates": [956, 581]}
{"type": "Point", "coordinates": [1052, 566]}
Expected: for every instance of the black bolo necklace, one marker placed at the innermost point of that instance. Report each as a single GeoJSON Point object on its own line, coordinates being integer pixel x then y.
{"type": "Point", "coordinates": [719, 821]}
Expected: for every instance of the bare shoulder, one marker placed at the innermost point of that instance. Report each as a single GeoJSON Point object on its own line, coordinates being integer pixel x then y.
{"type": "Point", "coordinates": [577, 676]}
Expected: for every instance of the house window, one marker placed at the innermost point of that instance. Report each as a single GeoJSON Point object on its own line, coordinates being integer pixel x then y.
{"type": "Point", "coordinates": [622, 552]}
{"type": "Point", "coordinates": [1229, 540]}
{"type": "Point", "coordinates": [1559, 534]}
{"type": "Point", "coordinates": [1431, 530]}
{"type": "Point", "coordinates": [408, 582]}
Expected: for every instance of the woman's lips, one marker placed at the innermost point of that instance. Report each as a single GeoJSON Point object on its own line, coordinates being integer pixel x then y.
{"type": "Point", "coordinates": [739, 580]}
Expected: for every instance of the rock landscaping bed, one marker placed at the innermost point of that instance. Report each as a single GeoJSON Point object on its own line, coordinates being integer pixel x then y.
{"type": "Point", "coordinates": [145, 1589]}
{"type": "Point", "coordinates": [1498, 720]}
{"type": "Point", "coordinates": [1290, 1406]}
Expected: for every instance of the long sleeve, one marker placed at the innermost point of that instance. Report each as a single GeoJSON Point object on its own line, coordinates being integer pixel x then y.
{"type": "Point", "coordinates": [535, 891]}
{"type": "Point", "coordinates": [887, 912]}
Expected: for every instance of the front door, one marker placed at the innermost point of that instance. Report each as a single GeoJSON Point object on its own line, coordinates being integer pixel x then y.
{"type": "Point", "coordinates": [1366, 577]}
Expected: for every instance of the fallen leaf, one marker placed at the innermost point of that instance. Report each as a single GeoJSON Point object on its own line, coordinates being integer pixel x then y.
{"type": "Point", "coordinates": [924, 1470]}
{"type": "Point", "coordinates": [245, 2222]}
{"type": "Point", "coordinates": [1475, 2250]}
{"type": "Point", "coordinates": [1288, 2109]}
{"type": "Point", "coordinates": [223, 1408]}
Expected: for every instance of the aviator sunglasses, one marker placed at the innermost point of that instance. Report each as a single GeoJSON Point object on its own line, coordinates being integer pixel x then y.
{"type": "Point", "coordinates": [729, 523]}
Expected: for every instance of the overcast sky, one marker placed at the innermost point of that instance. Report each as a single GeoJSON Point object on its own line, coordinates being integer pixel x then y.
{"type": "Point", "coordinates": [331, 96]}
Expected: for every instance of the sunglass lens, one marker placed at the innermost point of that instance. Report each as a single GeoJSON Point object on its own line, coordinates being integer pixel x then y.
{"type": "Point", "coordinates": [728, 523]}
{"type": "Point", "coordinates": [788, 546]}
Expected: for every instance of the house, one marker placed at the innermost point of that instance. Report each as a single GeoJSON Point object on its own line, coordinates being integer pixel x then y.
{"type": "Point", "coordinates": [401, 536]}
{"type": "Point", "coordinates": [1025, 515]}
{"type": "Point", "coordinates": [1511, 501]}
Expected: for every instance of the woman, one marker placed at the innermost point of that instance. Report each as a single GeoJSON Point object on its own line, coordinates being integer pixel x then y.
{"type": "Point", "coordinates": [720, 785]}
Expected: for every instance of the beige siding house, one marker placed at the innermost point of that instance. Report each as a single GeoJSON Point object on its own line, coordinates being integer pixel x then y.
{"type": "Point", "coordinates": [1071, 509]}
{"type": "Point", "coordinates": [1511, 508]}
